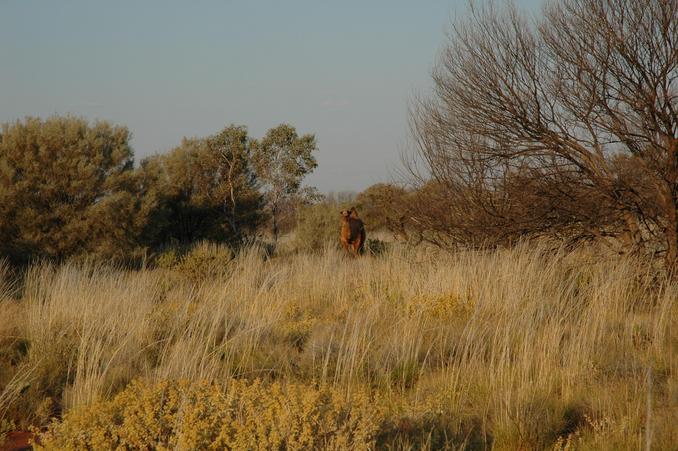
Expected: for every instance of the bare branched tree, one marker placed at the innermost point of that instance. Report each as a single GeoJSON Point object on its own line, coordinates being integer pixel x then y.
{"type": "Point", "coordinates": [563, 126]}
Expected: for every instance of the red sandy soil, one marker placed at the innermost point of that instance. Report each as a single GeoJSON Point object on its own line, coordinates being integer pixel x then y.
{"type": "Point", "coordinates": [17, 441]}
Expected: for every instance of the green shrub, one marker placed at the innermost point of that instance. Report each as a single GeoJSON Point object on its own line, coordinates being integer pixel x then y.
{"type": "Point", "coordinates": [206, 259]}
{"type": "Point", "coordinates": [65, 189]}
{"type": "Point", "coordinates": [203, 260]}
{"type": "Point", "coordinates": [317, 227]}
{"type": "Point", "coordinates": [168, 259]}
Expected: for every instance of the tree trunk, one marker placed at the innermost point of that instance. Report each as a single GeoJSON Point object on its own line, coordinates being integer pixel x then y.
{"type": "Point", "coordinates": [631, 235]}
{"type": "Point", "coordinates": [276, 231]}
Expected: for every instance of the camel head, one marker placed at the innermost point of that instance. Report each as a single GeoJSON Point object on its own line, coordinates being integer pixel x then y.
{"type": "Point", "coordinates": [352, 213]}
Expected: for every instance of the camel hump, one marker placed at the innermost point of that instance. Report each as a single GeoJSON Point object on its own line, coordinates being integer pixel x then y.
{"type": "Point", "coordinates": [354, 213]}
{"type": "Point", "coordinates": [356, 227]}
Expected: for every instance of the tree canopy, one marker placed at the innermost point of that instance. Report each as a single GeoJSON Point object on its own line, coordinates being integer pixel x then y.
{"type": "Point", "coordinates": [65, 188]}
{"type": "Point", "coordinates": [282, 160]}
{"type": "Point", "coordinates": [205, 189]}
{"type": "Point", "coordinates": [565, 126]}
{"type": "Point", "coordinates": [68, 188]}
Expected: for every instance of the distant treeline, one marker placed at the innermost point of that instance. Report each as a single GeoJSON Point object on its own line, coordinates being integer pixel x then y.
{"type": "Point", "coordinates": [70, 188]}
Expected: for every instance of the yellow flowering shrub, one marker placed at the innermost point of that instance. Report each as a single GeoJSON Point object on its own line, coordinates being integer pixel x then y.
{"type": "Point", "coordinates": [297, 326]}
{"type": "Point", "coordinates": [441, 306]}
{"type": "Point", "coordinates": [204, 259]}
{"type": "Point", "coordinates": [239, 415]}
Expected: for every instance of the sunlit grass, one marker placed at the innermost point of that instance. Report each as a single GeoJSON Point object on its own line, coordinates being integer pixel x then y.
{"type": "Point", "coordinates": [523, 348]}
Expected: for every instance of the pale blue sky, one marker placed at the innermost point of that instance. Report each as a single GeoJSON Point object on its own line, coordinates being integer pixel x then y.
{"type": "Point", "coordinates": [344, 70]}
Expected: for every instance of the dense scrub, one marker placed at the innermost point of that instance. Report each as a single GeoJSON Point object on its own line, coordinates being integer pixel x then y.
{"type": "Point", "coordinates": [242, 415]}
{"type": "Point", "coordinates": [526, 348]}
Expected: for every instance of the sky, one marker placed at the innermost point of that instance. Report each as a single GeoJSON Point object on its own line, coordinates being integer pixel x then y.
{"type": "Point", "coordinates": [344, 70]}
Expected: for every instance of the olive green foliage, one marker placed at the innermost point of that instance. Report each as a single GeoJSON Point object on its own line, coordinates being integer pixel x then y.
{"type": "Point", "coordinates": [282, 160]}
{"type": "Point", "coordinates": [202, 260]}
{"type": "Point", "coordinates": [288, 210]}
{"type": "Point", "coordinates": [204, 189]}
{"type": "Point", "coordinates": [69, 189]}
{"type": "Point", "coordinates": [317, 226]}
{"type": "Point", "coordinates": [66, 187]}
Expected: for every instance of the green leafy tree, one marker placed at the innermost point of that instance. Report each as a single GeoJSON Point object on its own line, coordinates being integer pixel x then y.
{"type": "Point", "coordinates": [66, 187]}
{"type": "Point", "coordinates": [241, 200]}
{"type": "Point", "coordinates": [205, 189]}
{"type": "Point", "coordinates": [282, 159]}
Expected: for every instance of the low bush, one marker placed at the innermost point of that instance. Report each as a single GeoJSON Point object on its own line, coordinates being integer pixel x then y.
{"type": "Point", "coordinates": [240, 415]}
{"type": "Point", "coordinates": [376, 247]}
{"type": "Point", "coordinates": [317, 227]}
{"type": "Point", "coordinates": [201, 261]}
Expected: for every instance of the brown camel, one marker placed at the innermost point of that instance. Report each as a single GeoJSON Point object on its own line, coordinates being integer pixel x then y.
{"type": "Point", "coordinates": [352, 232]}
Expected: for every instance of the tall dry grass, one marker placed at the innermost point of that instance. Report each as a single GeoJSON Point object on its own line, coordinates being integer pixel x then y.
{"type": "Point", "coordinates": [524, 348]}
